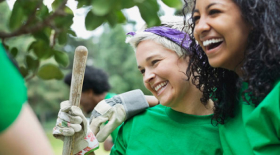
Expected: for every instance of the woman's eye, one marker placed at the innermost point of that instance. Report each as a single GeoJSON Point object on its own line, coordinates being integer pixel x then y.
{"type": "Point", "coordinates": [142, 71]}
{"type": "Point", "coordinates": [154, 62]}
{"type": "Point", "coordinates": [195, 18]}
{"type": "Point", "coordinates": [211, 12]}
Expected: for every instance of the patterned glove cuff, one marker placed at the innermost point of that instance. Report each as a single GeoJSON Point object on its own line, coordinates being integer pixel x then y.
{"type": "Point", "coordinates": [92, 143]}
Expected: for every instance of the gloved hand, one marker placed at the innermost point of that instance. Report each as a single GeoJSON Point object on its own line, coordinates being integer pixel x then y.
{"type": "Point", "coordinates": [116, 110]}
{"type": "Point", "coordinates": [71, 120]}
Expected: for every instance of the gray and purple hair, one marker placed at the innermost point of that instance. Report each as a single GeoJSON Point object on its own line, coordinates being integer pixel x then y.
{"type": "Point", "coordinates": [170, 35]}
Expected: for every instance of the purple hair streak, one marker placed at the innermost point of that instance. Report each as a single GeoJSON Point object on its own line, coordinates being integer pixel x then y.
{"type": "Point", "coordinates": [178, 37]}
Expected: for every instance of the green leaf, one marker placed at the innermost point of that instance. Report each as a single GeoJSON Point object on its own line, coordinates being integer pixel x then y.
{"type": "Point", "coordinates": [65, 21]}
{"type": "Point", "coordinates": [47, 31]}
{"type": "Point", "coordinates": [116, 17]}
{"type": "Point", "coordinates": [48, 53]}
{"type": "Point", "coordinates": [81, 4]}
{"type": "Point", "coordinates": [43, 12]}
{"type": "Point", "coordinates": [49, 71]}
{"type": "Point", "coordinates": [23, 71]}
{"type": "Point", "coordinates": [73, 33]}
{"type": "Point", "coordinates": [29, 6]}
{"type": "Point", "coordinates": [103, 7]}
{"type": "Point", "coordinates": [17, 16]}
{"type": "Point", "coordinates": [125, 4]}
{"type": "Point", "coordinates": [120, 16]}
{"type": "Point", "coordinates": [92, 21]}
{"type": "Point", "coordinates": [31, 63]}
{"type": "Point", "coordinates": [14, 52]}
{"type": "Point", "coordinates": [148, 11]}
{"type": "Point", "coordinates": [40, 49]}
{"type": "Point", "coordinates": [31, 46]}
{"type": "Point", "coordinates": [62, 58]}
{"type": "Point", "coordinates": [68, 10]}
{"type": "Point", "coordinates": [112, 20]}
{"type": "Point", "coordinates": [62, 38]}
{"type": "Point", "coordinates": [56, 4]}
{"type": "Point", "coordinates": [177, 4]}
{"type": "Point", "coordinates": [41, 35]}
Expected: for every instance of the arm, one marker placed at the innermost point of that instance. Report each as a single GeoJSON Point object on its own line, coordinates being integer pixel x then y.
{"type": "Point", "coordinates": [21, 132]}
{"type": "Point", "coordinates": [116, 110]}
{"type": "Point", "coordinates": [152, 101]}
{"type": "Point", "coordinates": [263, 124]}
{"type": "Point", "coordinates": [25, 136]}
{"type": "Point", "coordinates": [108, 144]}
{"type": "Point", "coordinates": [119, 148]}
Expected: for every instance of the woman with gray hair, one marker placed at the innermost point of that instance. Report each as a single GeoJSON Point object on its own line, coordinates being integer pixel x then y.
{"type": "Point", "coordinates": [181, 124]}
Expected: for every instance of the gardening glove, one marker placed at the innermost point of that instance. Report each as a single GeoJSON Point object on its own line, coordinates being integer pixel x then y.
{"type": "Point", "coordinates": [116, 110]}
{"type": "Point", "coordinates": [71, 120]}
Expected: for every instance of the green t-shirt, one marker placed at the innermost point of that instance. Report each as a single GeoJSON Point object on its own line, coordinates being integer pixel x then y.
{"type": "Point", "coordinates": [110, 95]}
{"type": "Point", "coordinates": [163, 131]}
{"type": "Point", "coordinates": [115, 132]}
{"type": "Point", "coordinates": [13, 93]}
{"type": "Point", "coordinates": [254, 130]}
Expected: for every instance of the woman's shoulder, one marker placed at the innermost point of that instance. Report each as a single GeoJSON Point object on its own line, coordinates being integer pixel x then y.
{"type": "Point", "coordinates": [273, 95]}
{"type": "Point", "coordinates": [158, 110]}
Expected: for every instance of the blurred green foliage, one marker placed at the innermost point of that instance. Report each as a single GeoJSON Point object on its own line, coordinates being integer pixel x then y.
{"type": "Point", "coordinates": [51, 26]}
{"type": "Point", "coordinates": [43, 45]}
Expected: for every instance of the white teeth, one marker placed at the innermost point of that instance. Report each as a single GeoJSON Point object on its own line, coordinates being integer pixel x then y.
{"type": "Point", "coordinates": [211, 41]}
{"type": "Point", "coordinates": [158, 87]}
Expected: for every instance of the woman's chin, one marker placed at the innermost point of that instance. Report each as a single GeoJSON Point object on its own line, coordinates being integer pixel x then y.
{"type": "Point", "coordinates": [164, 103]}
{"type": "Point", "coordinates": [213, 64]}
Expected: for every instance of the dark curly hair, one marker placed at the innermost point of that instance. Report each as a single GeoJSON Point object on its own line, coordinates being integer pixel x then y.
{"type": "Point", "coordinates": [94, 79]}
{"type": "Point", "coordinates": [261, 64]}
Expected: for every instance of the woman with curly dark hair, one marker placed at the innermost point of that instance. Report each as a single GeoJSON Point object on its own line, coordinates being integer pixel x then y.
{"type": "Point", "coordinates": [238, 66]}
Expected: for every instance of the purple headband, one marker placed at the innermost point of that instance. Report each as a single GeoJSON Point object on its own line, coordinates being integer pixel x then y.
{"type": "Point", "coordinates": [173, 35]}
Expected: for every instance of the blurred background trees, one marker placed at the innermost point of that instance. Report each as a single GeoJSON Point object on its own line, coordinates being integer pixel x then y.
{"type": "Point", "coordinates": [40, 39]}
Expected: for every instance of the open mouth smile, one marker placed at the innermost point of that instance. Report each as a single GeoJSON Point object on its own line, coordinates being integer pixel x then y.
{"type": "Point", "coordinates": [161, 85]}
{"type": "Point", "coordinates": [212, 43]}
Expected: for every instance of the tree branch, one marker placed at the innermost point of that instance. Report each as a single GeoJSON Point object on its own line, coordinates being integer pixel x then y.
{"type": "Point", "coordinates": [26, 30]}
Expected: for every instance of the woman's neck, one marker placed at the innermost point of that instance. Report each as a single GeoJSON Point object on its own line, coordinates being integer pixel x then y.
{"type": "Point", "coordinates": [238, 71]}
{"type": "Point", "coordinates": [191, 104]}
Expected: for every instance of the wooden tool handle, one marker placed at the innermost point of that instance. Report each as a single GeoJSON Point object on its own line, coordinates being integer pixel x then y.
{"type": "Point", "coordinates": [78, 72]}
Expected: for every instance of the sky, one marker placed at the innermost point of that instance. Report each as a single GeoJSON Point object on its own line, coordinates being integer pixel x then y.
{"type": "Point", "coordinates": [79, 17]}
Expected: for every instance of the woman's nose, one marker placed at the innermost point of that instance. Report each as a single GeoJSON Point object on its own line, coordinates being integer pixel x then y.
{"type": "Point", "coordinates": [201, 27]}
{"type": "Point", "coordinates": [149, 76]}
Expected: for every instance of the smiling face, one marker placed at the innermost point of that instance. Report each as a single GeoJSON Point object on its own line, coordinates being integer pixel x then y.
{"type": "Point", "coordinates": [221, 32]}
{"type": "Point", "coordinates": [163, 73]}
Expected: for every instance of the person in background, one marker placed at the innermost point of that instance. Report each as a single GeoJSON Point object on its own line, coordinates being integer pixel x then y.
{"type": "Point", "coordinates": [20, 130]}
{"type": "Point", "coordinates": [95, 89]}
{"type": "Point", "coordinates": [108, 115]}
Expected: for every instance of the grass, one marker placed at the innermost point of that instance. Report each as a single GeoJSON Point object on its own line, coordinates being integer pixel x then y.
{"type": "Point", "coordinates": [57, 144]}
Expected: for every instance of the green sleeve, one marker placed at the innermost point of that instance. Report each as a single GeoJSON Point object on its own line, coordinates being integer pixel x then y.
{"type": "Point", "coordinates": [263, 124]}
{"type": "Point", "coordinates": [13, 92]}
{"type": "Point", "coordinates": [120, 144]}
{"type": "Point", "coordinates": [115, 133]}
{"type": "Point", "coordinates": [110, 95]}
